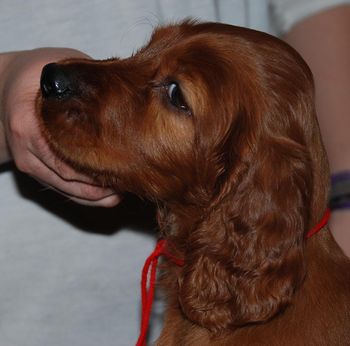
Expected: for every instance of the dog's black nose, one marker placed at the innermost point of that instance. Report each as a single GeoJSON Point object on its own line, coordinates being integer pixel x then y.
{"type": "Point", "coordinates": [55, 82]}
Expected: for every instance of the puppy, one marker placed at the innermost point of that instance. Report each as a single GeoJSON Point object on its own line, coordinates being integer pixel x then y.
{"type": "Point", "coordinates": [216, 124]}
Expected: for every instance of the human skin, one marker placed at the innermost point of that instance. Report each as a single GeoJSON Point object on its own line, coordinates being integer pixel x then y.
{"type": "Point", "coordinates": [20, 138]}
{"type": "Point", "coordinates": [324, 42]}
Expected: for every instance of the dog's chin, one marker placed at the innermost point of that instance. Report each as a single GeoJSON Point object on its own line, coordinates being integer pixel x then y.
{"type": "Point", "coordinates": [85, 159]}
{"type": "Point", "coordinates": [100, 177]}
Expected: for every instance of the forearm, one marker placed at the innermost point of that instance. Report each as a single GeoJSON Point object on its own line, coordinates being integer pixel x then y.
{"type": "Point", "coordinates": [5, 59]}
{"type": "Point", "coordinates": [4, 151]}
{"type": "Point", "coordinates": [324, 42]}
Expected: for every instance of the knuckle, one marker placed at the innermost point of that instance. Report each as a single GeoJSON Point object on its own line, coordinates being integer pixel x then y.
{"type": "Point", "coordinates": [22, 166]}
{"type": "Point", "coordinates": [65, 172]}
{"type": "Point", "coordinates": [67, 176]}
{"type": "Point", "coordinates": [14, 127]}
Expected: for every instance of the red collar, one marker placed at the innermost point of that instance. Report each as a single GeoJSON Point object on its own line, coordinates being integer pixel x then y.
{"type": "Point", "coordinates": [151, 265]}
{"type": "Point", "coordinates": [323, 222]}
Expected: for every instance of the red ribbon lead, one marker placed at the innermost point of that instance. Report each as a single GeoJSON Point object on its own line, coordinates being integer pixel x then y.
{"type": "Point", "coordinates": [149, 271]}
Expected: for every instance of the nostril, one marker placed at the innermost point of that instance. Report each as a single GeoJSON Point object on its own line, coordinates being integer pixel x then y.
{"type": "Point", "coordinates": [54, 82]}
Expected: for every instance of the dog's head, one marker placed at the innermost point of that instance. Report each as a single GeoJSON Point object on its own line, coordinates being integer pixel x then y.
{"type": "Point", "coordinates": [206, 114]}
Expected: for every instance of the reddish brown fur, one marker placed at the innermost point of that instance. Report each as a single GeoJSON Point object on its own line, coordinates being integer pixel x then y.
{"type": "Point", "coordinates": [239, 181]}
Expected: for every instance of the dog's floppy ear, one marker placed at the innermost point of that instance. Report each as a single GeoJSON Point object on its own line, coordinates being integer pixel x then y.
{"type": "Point", "coordinates": [244, 262]}
{"type": "Point", "coordinates": [245, 259]}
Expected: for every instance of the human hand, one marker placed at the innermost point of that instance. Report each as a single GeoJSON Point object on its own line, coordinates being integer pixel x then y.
{"type": "Point", "coordinates": [19, 85]}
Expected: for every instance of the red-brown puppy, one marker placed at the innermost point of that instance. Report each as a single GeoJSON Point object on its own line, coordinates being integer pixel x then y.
{"type": "Point", "coordinates": [217, 124]}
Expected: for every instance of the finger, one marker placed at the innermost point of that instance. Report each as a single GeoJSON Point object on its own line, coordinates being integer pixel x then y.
{"type": "Point", "coordinates": [106, 202]}
{"type": "Point", "coordinates": [71, 188]}
{"type": "Point", "coordinates": [44, 154]}
{"type": "Point", "coordinates": [44, 166]}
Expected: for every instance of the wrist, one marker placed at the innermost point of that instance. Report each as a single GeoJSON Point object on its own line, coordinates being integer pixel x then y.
{"type": "Point", "coordinates": [5, 155]}
{"type": "Point", "coordinates": [5, 61]}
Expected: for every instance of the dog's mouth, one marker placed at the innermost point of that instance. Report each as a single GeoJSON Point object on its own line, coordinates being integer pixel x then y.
{"type": "Point", "coordinates": [70, 118]}
{"type": "Point", "coordinates": [66, 120]}
{"type": "Point", "coordinates": [61, 94]}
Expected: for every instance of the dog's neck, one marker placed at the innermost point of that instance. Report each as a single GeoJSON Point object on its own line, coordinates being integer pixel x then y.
{"type": "Point", "coordinates": [176, 222]}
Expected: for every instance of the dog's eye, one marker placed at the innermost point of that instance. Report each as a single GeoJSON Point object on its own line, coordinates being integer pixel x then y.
{"type": "Point", "coordinates": [175, 96]}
